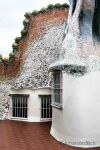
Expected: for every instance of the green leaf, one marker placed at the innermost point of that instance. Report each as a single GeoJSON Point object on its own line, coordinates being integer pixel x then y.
{"type": "Point", "coordinates": [50, 6]}
{"type": "Point", "coordinates": [57, 5]}
{"type": "Point", "coordinates": [27, 15]}
{"type": "Point", "coordinates": [35, 12]}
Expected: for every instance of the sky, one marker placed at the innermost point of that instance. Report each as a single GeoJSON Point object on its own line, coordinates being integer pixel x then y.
{"type": "Point", "coordinates": [12, 16]}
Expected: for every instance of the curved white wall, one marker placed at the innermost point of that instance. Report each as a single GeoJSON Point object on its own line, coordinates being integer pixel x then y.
{"type": "Point", "coordinates": [78, 124]}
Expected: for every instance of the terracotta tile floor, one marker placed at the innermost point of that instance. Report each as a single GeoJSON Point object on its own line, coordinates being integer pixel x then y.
{"type": "Point", "coordinates": [16, 135]}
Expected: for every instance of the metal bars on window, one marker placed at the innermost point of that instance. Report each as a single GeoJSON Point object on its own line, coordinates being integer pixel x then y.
{"type": "Point", "coordinates": [19, 106]}
{"type": "Point", "coordinates": [46, 108]}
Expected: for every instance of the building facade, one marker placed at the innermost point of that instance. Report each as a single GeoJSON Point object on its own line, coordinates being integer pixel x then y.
{"type": "Point", "coordinates": [25, 79]}
{"type": "Point", "coordinates": [55, 73]}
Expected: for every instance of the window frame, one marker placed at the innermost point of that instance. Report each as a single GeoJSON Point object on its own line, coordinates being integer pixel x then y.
{"type": "Point", "coordinates": [54, 102]}
{"type": "Point", "coordinates": [45, 97]}
{"type": "Point", "coordinates": [17, 96]}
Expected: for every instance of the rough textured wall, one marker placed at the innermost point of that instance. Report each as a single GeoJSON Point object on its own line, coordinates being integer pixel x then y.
{"type": "Point", "coordinates": [42, 50]}
{"type": "Point", "coordinates": [37, 29]}
{"type": "Point", "coordinates": [4, 101]}
{"type": "Point", "coordinates": [36, 51]}
{"type": "Point", "coordinates": [81, 45]}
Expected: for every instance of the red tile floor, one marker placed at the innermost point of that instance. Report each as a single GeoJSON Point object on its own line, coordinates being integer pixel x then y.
{"type": "Point", "coordinates": [15, 135]}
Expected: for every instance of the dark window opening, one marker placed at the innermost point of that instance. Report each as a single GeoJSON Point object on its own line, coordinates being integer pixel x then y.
{"type": "Point", "coordinates": [46, 108]}
{"type": "Point", "coordinates": [19, 106]}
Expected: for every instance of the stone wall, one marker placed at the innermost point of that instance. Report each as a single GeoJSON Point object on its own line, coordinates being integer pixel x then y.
{"type": "Point", "coordinates": [4, 101]}
{"type": "Point", "coordinates": [36, 52]}
{"type": "Point", "coordinates": [39, 56]}
{"type": "Point", "coordinates": [42, 51]}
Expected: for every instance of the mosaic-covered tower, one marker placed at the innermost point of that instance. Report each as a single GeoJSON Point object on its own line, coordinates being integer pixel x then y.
{"type": "Point", "coordinates": [76, 78]}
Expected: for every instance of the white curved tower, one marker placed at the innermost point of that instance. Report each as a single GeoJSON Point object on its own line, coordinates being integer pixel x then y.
{"type": "Point", "coordinates": [76, 78]}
